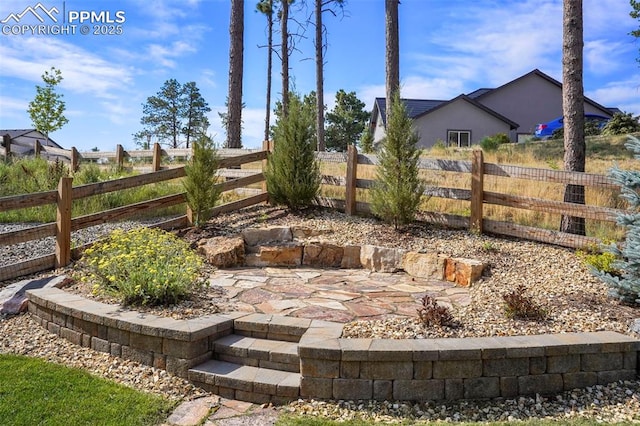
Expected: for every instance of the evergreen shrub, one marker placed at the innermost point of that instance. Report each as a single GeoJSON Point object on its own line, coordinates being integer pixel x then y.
{"type": "Point", "coordinates": [397, 192]}
{"type": "Point", "coordinates": [201, 179]}
{"type": "Point", "coordinates": [292, 172]}
{"type": "Point", "coordinates": [626, 285]}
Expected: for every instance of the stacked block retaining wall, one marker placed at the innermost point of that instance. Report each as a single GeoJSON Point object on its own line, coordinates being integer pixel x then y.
{"type": "Point", "coordinates": [332, 367]}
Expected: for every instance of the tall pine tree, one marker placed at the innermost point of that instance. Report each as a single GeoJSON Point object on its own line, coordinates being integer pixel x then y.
{"type": "Point", "coordinates": [397, 192]}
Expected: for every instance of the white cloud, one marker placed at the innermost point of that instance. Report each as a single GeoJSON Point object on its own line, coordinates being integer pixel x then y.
{"type": "Point", "coordinates": [492, 44]}
{"type": "Point", "coordinates": [622, 94]}
{"type": "Point", "coordinates": [604, 56]}
{"type": "Point", "coordinates": [82, 71]}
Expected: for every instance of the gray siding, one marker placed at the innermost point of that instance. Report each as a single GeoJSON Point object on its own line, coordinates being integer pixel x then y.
{"type": "Point", "coordinates": [530, 101]}
{"type": "Point", "coordinates": [458, 115]}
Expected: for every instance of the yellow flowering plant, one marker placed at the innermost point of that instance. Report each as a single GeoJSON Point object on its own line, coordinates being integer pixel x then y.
{"type": "Point", "coordinates": [143, 266]}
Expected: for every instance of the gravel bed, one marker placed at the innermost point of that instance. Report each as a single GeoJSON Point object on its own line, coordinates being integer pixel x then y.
{"type": "Point", "coordinates": [553, 277]}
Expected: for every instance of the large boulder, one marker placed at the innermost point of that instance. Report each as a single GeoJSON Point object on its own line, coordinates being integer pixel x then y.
{"type": "Point", "coordinates": [381, 259]}
{"type": "Point", "coordinates": [323, 255]}
{"type": "Point", "coordinates": [13, 299]}
{"type": "Point", "coordinates": [424, 265]}
{"type": "Point", "coordinates": [223, 252]}
{"type": "Point", "coordinates": [462, 271]}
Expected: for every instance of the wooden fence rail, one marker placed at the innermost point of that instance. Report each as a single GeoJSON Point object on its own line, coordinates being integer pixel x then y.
{"type": "Point", "coordinates": [476, 195]}
{"type": "Point", "coordinates": [64, 196]}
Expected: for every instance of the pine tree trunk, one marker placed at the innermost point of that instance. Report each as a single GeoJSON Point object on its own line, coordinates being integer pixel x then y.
{"type": "Point", "coordinates": [392, 55]}
{"type": "Point", "coordinates": [319, 78]}
{"type": "Point", "coordinates": [269, 66]}
{"type": "Point", "coordinates": [285, 57]}
{"type": "Point", "coordinates": [573, 108]}
{"type": "Point", "coordinates": [236, 46]}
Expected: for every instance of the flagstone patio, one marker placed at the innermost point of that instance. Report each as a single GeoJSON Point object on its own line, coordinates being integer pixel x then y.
{"type": "Point", "coordinates": [340, 295]}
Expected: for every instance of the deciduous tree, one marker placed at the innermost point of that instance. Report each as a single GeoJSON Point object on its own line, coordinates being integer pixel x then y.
{"type": "Point", "coordinates": [46, 110]}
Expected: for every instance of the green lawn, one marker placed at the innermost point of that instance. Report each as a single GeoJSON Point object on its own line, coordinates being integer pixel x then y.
{"type": "Point", "coordinates": [34, 392]}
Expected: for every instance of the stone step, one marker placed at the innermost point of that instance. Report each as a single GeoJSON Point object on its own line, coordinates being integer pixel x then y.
{"type": "Point", "coordinates": [246, 383]}
{"type": "Point", "coordinates": [274, 354]}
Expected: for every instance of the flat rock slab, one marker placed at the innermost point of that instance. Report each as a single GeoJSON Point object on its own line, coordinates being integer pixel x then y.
{"type": "Point", "coordinates": [13, 299]}
{"type": "Point", "coordinates": [192, 413]}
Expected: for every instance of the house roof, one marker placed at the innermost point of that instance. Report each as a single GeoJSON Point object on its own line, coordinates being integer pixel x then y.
{"type": "Point", "coordinates": [25, 135]}
{"type": "Point", "coordinates": [476, 104]}
{"type": "Point", "coordinates": [419, 107]}
{"type": "Point", "coordinates": [415, 107]}
{"type": "Point", "coordinates": [478, 93]}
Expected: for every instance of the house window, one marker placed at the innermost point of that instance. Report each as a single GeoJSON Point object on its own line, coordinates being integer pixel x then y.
{"type": "Point", "coordinates": [459, 138]}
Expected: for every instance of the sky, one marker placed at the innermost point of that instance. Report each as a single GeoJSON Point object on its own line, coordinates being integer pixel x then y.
{"type": "Point", "coordinates": [447, 47]}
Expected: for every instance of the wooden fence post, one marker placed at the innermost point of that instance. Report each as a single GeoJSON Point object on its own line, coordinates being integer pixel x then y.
{"type": "Point", "coordinates": [119, 156]}
{"type": "Point", "coordinates": [75, 161]}
{"type": "Point", "coordinates": [37, 148]}
{"type": "Point", "coordinates": [266, 146]}
{"type": "Point", "coordinates": [157, 157]}
{"type": "Point", "coordinates": [6, 140]}
{"type": "Point", "coordinates": [352, 175]}
{"type": "Point", "coordinates": [63, 222]}
{"type": "Point", "coordinates": [477, 188]}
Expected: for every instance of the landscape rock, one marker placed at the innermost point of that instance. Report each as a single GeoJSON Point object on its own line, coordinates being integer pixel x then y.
{"type": "Point", "coordinates": [260, 236]}
{"type": "Point", "coordinates": [381, 259]}
{"type": "Point", "coordinates": [277, 255]}
{"type": "Point", "coordinates": [351, 257]}
{"type": "Point", "coordinates": [424, 265]}
{"type": "Point", "coordinates": [223, 252]}
{"type": "Point", "coordinates": [302, 232]}
{"type": "Point", "coordinates": [462, 271]}
{"type": "Point", "coordinates": [13, 299]}
{"type": "Point", "coordinates": [324, 255]}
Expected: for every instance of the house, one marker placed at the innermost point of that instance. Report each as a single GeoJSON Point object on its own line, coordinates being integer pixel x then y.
{"type": "Point", "coordinates": [514, 108]}
{"type": "Point", "coordinates": [23, 141]}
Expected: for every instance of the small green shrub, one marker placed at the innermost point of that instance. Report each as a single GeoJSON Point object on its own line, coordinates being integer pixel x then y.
{"type": "Point", "coordinates": [292, 172]}
{"type": "Point", "coordinates": [492, 143]}
{"type": "Point", "coordinates": [431, 314]}
{"type": "Point", "coordinates": [143, 266]}
{"type": "Point", "coordinates": [200, 182]}
{"type": "Point", "coordinates": [598, 261]}
{"type": "Point", "coordinates": [622, 124]}
{"type": "Point", "coordinates": [519, 305]}
{"type": "Point", "coordinates": [397, 192]}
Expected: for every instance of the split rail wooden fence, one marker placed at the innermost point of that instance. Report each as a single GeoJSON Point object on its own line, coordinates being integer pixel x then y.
{"type": "Point", "coordinates": [65, 194]}
{"type": "Point", "coordinates": [476, 195]}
